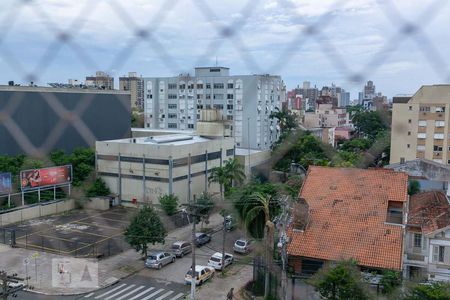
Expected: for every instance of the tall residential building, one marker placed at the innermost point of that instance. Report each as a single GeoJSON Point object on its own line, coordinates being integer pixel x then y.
{"type": "Point", "coordinates": [420, 125]}
{"type": "Point", "coordinates": [369, 90]}
{"type": "Point", "coordinates": [100, 80]}
{"type": "Point", "coordinates": [247, 100]}
{"type": "Point", "coordinates": [134, 84]}
{"type": "Point", "coordinates": [326, 115]}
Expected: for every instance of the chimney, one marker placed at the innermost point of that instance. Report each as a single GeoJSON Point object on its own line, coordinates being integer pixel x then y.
{"type": "Point", "coordinates": [301, 214]}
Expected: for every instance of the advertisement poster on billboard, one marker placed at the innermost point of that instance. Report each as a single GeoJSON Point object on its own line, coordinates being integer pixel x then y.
{"type": "Point", "coordinates": [33, 179]}
{"type": "Point", "coordinates": [5, 183]}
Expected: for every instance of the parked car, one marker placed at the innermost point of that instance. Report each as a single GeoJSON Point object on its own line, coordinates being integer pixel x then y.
{"type": "Point", "coordinates": [202, 238]}
{"type": "Point", "coordinates": [159, 259]}
{"type": "Point", "coordinates": [202, 274]}
{"type": "Point", "coordinates": [229, 223]}
{"type": "Point", "coordinates": [180, 248]}
{"type": "Point", "coordinates": [216, 260]}
{"type": "Point", "coordinates": [242, 246]}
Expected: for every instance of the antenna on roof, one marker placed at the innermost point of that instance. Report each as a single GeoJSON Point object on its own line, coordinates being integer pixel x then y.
{"type": "Point", "coordinates": [217, 63]}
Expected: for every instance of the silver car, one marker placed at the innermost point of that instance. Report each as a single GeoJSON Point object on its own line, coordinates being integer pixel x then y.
{"type": "Point", "coordinates": [159, 259]}
{"type": "Point", "coordinates": [180, 248]}
{"type": "Point", "coordinates": [242, 246]}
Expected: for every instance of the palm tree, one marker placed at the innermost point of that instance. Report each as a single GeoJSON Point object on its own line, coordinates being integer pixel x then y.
{"type": "Point", "coordinates": [218, 175]}
{"type": "Point", "coordinates": [261, 204]}
{"type": "Point", "coordinates": [235, 171]}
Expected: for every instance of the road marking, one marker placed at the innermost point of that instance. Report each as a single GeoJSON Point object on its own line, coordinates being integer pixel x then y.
{"type": "Point", "coordinates": [177, 296]}
{"type": "Point", "coordinates": [111, 291]}
{"type": "Point", "coordinates": [120, 292]}
{"type": "Point", "coordinates": [132, 292]}
{"type": "Point", "coordinates": [88, 295]}
{"type": "Point", "coordinates": [151, 295]}
{"type": "Point", "coordinates": [144, 292]}
{"type": "Point", "coordinates": [165, 295]}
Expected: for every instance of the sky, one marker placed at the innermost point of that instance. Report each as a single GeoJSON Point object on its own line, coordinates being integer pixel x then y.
{"type": "Point", "coordinates": [399, 44]}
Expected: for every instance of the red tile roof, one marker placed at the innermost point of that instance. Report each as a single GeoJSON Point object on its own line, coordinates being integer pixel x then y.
{"type": "Point", "coordinates": [348, 209]}
{"type": "Point", "coordinates": [430, 211]}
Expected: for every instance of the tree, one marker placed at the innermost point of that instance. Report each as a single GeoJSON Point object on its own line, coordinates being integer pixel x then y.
{"type": "Point", "coordinates": [145, 228]}
{"type": "Point", "coordinates": [340, 282]}
{"type": "Point", "coordinates": [205, 204]}
{"type": "Point", "coordinates": [234, 171]}
{"type": "Point", "coordinates": [169, 203]}
{"type": "Point", "coordinates": [413, 187]}
{"type": "Point", "coordinates": [218, 175]}
{"type": "Point", "coordinates": [286, 119]}
{"type": "Point", "coordinates": [98, 188]}
{"type": "Point", "coordinates": [429, 291]}
{"type": "Point", "coordinates": [368, 123]}
{"type": "Point", "coordinates": [81, 159]}
{"type": "Point", "coordinates": [390, 281]}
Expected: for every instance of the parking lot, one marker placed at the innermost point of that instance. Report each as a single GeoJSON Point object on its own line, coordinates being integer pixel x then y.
{"type": "Point", "coordinates": [78, 233]}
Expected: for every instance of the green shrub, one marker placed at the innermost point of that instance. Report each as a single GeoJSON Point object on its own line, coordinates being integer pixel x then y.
{"type": "Point", "coordinates": [169, 204]}
{"type": "Point", "coordinates": [98, 188]}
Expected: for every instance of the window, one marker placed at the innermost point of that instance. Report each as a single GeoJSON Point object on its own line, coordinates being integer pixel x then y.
{"type": "Point", "coordinates": [410, 108]}
{"type": "Point", "coordinates": [182, 86]}
{"type": "Point", "coordinates": [172, 116]}
{"type": "Point", "coordinates": [230, 106]}
{"type": "Point", "coordinates": [395, 212]}
{"type": "Point", "coordinates": [172, 96]}
{"type": "Point", "coordinates": [218, 85]}
{"type": "Point", "coordinates": [422, 123]}
{"type": "Point", "coordinates": [218, 96]}
{"type": "Point", "coordinates": [408, 146]}
{"type": "Point", "coordinates": [172, 125]}
{"type": "Point", "coordinates": [230, 152]}
{"type": "Point", "coordinates": [421, 148]}
{"type": "Point", "coordinates": [440, 108]}
{"type": "Point", "coordinates": [215, 70]}
{"type": "Point", "coordinates": [441, 253]}
{"type": "Point", "coordinates": [417, 240]}
{"type": "Point", "coordinates": [409, 132]}
{"type": "Point", "coordinates": [438, 136]}
{"type": "Point", "coordinates": [409, 121]}
{"type": "Point", "coordinates": [230, 85]}
{"type": "Point", "coordinates": [200, 86]}
{"type": "Point", "coordinates": [191, 126]}
{"type": "Point", "coordinates": [218, 106]}
{"type": "Point", "coordinates": [199, 96]}
{"type": "Point", "coordinates": [199, 106]}
{"type": "Point", "coordinates": [440, 123]}
{"type": "Point", "coordinates": [421, 135]}
{"type": "Point", "coordinates": [208, 85]}
{"type": "Point", "coordinates": [172, 86]}
{"type": "Point", "coordinates": [190, 86]}
{"type": "Point", "coordinates": [172, 106]}
{"type": "Point", "coordinates": [402, 160]}
{"type": "Point", "coordinates": [229, 96]}
{"type": "Point", "coordinates": [208, 96]}
{"type": "Point", "coordinates": [229, 117]}
{"type": "Point", "coordinates": [437, 148]}
{"type": "Point", "coordinates": [424, 108]}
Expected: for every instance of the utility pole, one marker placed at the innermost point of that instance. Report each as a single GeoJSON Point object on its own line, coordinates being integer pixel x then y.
{"type": "Point", "coordinates": [193, 276]}
{"type": "Point", "coordinates": [223, 242]}
{"type": "Point", "coordinates": [6, 290]}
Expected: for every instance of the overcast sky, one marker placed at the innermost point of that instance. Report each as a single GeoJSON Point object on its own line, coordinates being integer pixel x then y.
{"type": "Point", "coordinates": [400, 45]}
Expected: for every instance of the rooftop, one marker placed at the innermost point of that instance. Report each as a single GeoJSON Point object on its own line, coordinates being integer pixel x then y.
{"type": "Point", "coordinates": [43, 89]}
{"type": "Point", "coordinates": [430, 211]}
{"type": "Point", "coordinates": [166, 140]}
{"type": "Point", "coordinates": [347, 216]}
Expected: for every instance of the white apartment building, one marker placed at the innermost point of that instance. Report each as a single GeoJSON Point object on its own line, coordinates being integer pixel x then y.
{"type": "Point", "coordinates": [246, 100]}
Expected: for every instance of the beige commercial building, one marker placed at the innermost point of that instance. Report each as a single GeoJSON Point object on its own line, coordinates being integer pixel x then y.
{"type": "Point", "coordinates": [101, 80]}
{"type": "Point", "coordinates": [143, 168]}
{"type": "Point", "coordinates": [420, 125]}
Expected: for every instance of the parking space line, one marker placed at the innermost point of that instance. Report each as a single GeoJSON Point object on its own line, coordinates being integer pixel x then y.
{"type": "Point", "coordinates": [165, 295]}
{"type": "Point", "coordinates": [38, 247]}
{"type": "Point", "coordinates": [99, 241]}
{"type": "Point", "coordinates": [126, 222]}
{"type": "Point", "coordinates": [97, 225]}
{"type": "Point", "coordinates": [83, 232]}
{"type": "Point", "coordinates": [110, 291]}
{"type": "Point", "coordinates": [120, 292]}
{"type": "Point", "coordinates": [62, 239]}
{"type": "Point", "coordinates": [153, 294]}
{"type": "Point", "coordinates": [88, 295]}
{"type": "Point", "coordinates": [143, 293]}
{"type": "Point", "coordinates": [132, 292]}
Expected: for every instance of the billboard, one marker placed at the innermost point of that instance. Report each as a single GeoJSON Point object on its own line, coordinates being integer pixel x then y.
{"type": "Point", "coordinates": [33, 179]}
{"type": "Point", "coordinates": [5, 183]}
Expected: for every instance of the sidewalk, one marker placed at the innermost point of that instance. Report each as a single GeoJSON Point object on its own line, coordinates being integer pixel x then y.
{"type": "Point", "coordinates": [110, 270]}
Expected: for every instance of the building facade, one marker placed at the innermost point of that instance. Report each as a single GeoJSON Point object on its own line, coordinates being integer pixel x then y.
{"type": "Point", "coordinates": [326, 116]}
{"type": "Point", "coordinates": [246, 100]}
{"type": "Point", "coordinates": [37, 120]}
{"type": "Point", "coordinates": [140, 170]}
{"type": "Point", "coordinates": [100, 80]}
{"type": "Point", "coordinates": [420, 125]}
{"type": "Point", "coordinates": [134, 84]}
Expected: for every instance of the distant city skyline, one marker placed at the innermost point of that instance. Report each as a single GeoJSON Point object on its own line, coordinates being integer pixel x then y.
{"type": "Point", "coordinates": [344, 41]}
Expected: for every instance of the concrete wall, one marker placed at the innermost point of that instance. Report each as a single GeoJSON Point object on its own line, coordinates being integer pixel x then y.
{"type": "Point", "coordinates": [98, 203]}
{"type": "Point", "coordinates": [36, 211]}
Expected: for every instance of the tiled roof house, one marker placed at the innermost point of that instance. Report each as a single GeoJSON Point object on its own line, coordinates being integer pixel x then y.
{"type": "Point", "coordinates": [352, 213]}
